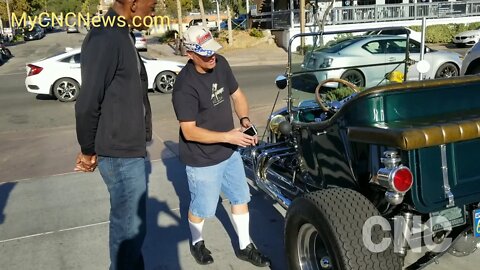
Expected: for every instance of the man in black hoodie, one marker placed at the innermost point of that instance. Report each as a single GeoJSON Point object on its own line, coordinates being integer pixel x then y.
{"type": "Point", "coordinates": [113, 120]}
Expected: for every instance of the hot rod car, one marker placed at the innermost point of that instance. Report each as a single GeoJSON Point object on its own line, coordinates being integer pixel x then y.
{"type": "Point", "coordinates": [370, 177]}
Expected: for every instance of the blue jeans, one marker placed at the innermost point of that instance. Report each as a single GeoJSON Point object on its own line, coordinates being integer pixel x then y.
{"type": "Point", "coordinates": [126, 182]}
{"type": "Point", "coordinates": [206, 183]}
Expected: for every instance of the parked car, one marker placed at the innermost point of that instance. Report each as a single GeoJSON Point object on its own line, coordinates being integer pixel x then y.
{"type": "Point", "coordinates": [140, 41]}
{"type": "Point", "coordinates": [72, 29]}
{"type": "Point", "coordinates": [368, 178]}
{"type": "Point", "coordinates": [212, 25]}
{"type": "Point", "coordinates": [357, 60]}
{"type": "Point", "coordinates": [33, 33]}
{"type": "Point", "coordinates": [398, 32]}
{"type": "Point", "coordinates": [469, 38]}
{"type": "Point", "coordinates": [471, 62]}
{"type": "Point", "coordinates": [60, 76]}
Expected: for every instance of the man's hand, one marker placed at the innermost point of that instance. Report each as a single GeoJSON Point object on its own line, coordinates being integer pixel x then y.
{"type": "Point", "coordinates": [85, 163]}
{"type": "Point", "coordinates": [237, 137]}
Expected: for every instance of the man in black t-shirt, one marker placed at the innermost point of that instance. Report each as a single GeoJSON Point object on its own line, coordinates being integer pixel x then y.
{"type": "Point", "coordinates": [208, 142]}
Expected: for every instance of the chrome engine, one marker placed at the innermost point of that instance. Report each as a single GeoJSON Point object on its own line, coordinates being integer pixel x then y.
{"type": "Point", "coordinates": [278, 183]}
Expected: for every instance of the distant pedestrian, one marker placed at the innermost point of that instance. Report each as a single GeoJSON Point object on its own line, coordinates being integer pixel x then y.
{"type": "Point", "coordinates": [113, 119]}
{"type": "Point", "coordinates": [208, 142]}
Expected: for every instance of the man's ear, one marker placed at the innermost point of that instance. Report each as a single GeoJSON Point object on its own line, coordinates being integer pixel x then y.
{"type": "Point", "coordinates": [190, 54]}
{"type": "Point", "coordinates": [133, 5]}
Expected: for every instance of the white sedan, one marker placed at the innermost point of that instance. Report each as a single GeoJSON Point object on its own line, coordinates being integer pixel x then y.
{"type": "Point", "coordinates": [60, 75]}
{"type": "Point", "coordinates": [469, 38]}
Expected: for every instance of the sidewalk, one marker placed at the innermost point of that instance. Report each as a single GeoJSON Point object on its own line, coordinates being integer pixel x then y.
{"type": "Point", "coordinates": [252, 56]}
{"type": "Point", "coordinates": [61, 222]}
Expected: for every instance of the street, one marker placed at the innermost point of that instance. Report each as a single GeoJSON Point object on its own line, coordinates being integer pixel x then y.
{"type": "Point", "coordinates": [36, 130]}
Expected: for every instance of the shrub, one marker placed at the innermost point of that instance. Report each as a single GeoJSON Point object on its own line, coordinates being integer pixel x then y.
{"type": "Point", "coordinates": [17, 38]}
{"type": "Point", "coordinates": [444, 33]}
{"type": "Point", "coordinates": [254, 32]}
{"type": "Point", "coordinates": [168, 36]}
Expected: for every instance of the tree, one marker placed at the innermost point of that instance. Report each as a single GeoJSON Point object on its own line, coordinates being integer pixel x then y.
{"type": "Point", "coordinates": [90, 7]}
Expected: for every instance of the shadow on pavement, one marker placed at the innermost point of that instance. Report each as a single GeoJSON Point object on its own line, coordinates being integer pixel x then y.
{"type": "Point", "coordinates": [5, 190]}
{"type": "Point", "coordinates": [45, 97]}
{"type": "Point", "coordinates": [167, 227]}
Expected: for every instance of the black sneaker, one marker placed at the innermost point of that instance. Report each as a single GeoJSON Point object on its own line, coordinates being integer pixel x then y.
{"type": "Point", "coordinates": [252, 255]}
{"type": "Point", "coordinates": [201, 253]}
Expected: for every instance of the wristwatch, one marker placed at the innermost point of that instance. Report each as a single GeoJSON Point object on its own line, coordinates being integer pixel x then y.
{"type": "Point", "coordinates": [243, 118]}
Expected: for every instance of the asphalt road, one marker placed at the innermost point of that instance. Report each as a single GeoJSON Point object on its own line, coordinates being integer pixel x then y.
{"type": "Point", "coordinates": [37, 131]}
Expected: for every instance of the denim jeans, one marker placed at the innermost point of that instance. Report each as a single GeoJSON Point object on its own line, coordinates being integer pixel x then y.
{"type": "Point", "coordinates": [126, 182]}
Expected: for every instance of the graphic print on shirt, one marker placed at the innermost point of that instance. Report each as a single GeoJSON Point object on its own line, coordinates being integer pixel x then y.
{"type": "Point", "coordinates": [217, 95]}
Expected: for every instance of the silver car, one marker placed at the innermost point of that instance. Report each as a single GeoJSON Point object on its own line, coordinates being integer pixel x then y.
{"type": "Point", "coordinates": [357, 60]}
{"type": "Point", "coordinates": [471, 63]}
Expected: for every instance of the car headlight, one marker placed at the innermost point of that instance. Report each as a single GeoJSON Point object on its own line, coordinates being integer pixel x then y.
{"type": "Point", "coordinates": [327, 62]}
{"type": "Point", "coordinates": [471, 36]}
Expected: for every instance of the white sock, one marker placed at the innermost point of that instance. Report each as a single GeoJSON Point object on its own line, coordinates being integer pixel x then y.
{"type": "Point", "coordinates": [196, 231]}
{"type": "Point", "coordinates": [242, 223]}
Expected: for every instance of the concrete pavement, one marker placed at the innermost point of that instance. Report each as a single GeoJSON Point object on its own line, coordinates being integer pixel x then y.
{"type": "Point", "coordinates": [61, 222]}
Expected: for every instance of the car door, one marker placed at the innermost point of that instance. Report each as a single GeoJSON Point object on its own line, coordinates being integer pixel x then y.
{"type": "Point", "coordinates": [376, 56]}
{"type": "Point", "coordinates": [395, 52]}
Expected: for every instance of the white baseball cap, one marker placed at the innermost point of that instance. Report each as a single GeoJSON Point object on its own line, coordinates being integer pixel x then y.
{"type": "Point", "coordinates": [198, 39]}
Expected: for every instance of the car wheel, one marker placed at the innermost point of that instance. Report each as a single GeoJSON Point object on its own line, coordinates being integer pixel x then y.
{"type": "Point", "coordinates": [324, 230]}
{"type": "Point", "coordinates": [66, 89]}
{"type": "Point", "coordinates": [354, 76]}
{"type": "Point", "coordinates": [165, 81]}
{"type": "Point", "coordinates": [447, 70]}
{"type": "Point", "coordinates": [8, 53]}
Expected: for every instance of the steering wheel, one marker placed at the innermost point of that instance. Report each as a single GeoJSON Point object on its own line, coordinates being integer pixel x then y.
{"type": "Point", "coordinates": [317, 90]}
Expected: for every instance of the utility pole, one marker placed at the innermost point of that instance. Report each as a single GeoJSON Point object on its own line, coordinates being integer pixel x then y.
{"type": "Point", "coordinates": [179, 15]}
{"type": "Point", "coordinates": [218, 15]}
{"type": "Point", "coordinates": [202, 13]}
{"type": "Point", "coordinates": [302, 23]}
{"type": "Point", "coordinates": [247, 6]}
{"type": "Point", "coordinates": [10, 18]}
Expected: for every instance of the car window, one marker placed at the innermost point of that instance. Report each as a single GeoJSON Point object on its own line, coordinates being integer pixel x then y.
{"type": "Point", "coordinates": [72, 59]}
{"type": "Point", "coordinates": [396, 46]}
{"type": "Point", "coordinates": [336, 47]}
{"type": "Point", "coordinates": [375, 47]}
{"type": "Point", "coordinates": [414, 46]}
{"type": "Point", "coordinates": [76, 58]}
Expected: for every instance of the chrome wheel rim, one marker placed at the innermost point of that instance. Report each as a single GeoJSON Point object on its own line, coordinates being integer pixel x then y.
{"type": "Point", "coordinates": [312, 252]}
{"type": "Point", "coordinates": [66, 90]}
{"type": "Point", "coordinates": [165, 82]}
{"type": "Point", "coordinates": [448, 72]}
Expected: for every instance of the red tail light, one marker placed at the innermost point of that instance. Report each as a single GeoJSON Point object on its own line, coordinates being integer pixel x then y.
{"type": "Point", "coordinates": [402, 179]}
{"type": "Point", "coordinates": [144, 39]}
{"type": "Point", "coordinates": [34, 70]}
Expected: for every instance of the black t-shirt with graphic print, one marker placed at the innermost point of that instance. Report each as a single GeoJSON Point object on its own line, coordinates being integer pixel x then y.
{"type": "Point", "coordinates": [205, 99]}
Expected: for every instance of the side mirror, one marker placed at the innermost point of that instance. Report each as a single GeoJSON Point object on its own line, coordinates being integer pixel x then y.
{"type": "Point", "coordinates": [281, 81]}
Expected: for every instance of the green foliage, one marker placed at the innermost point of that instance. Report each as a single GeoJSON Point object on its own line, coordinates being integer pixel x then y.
{"type": "Point", "coordinates": [254, 32]}
{"type": "Point", "coordinates": [168, 36]}
{"type": "Point", "coordinates": [338, 93]}
{"type": "Point", "coordinates": [17, 38]}
{"type": "Point", "coordinates": [444, 33]}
